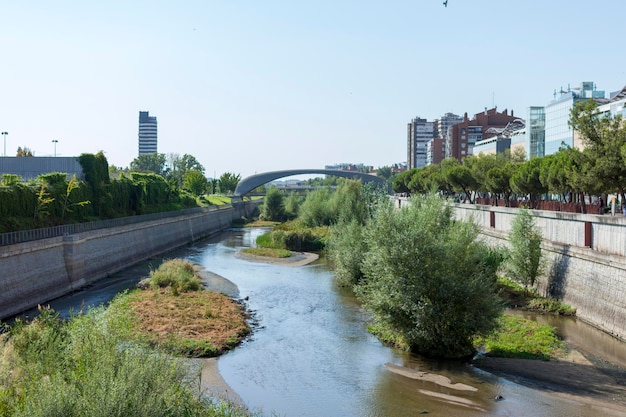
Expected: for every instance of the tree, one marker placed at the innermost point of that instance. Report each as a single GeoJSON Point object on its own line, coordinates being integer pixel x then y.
{"type": "Point", "coordinates": [525, 258]}
{"type": "Point", "coordinates": [178, 166]}
{"type": "Point", "coordinates": [498, 180]}
{"type": "Point", "coordinates": [21, 152]}
{"type": "Point", "coordinates": [43, 200]}
{"type": "Point", "coordinates": [384, 172]}
{"type": "Point", "coordinates": [72, 184]}
{"type": "Point", "coordinates": [273, 205]}
{"type": "Point", "coordinates": [428, 279]}
{"type": "Point", "coordinates": [527, 179]}
{"type": "Point", "coordinates": [459, 177]}
{"type": "Point", "coordinates": [228, 182]}
{"type": "Point", "coordinates": [151, 162]}
{"type": "Point", "coordinates": [604, 137]}
{"type": "Point", "coordinates": [195, 182]}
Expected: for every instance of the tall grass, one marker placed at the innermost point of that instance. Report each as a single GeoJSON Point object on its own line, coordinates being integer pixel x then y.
{"type": "Point", "coordinates": [86, 368]}
{"type": "Point", "coordinates": [178, 274]}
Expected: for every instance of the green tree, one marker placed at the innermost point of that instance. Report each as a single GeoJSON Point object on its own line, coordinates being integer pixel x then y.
{"type": "Point", "coordinates": [316, 209]}
{"type": "Point", "coordinates": [525, 257]}
{"type": "Point", "coordinates": [498, 180]}
{"type": "Point", "coordinates": [273, 205]}
{"type": "Point", "coordinates": [178, 166]}
{"type": "Point", "coordinates": [292, 205]}
{"type": "Point", "coordinates": [384, 172]}
{"type": "Point", "coordinates": [195, 182]}
{"type": "Point", "coordinates": [43, 200]}
{"type": "Point", "coordinates": [228, 182]}
{"type": "Point", "coordinates": [151, 162]}
{"type": "Point", "coordinates": [604, 137]}
{"type": "Point", "coordinates": [72, 185]}
{"type": "Point", "coordinates": [459, 177]}
{"type": "Point", "coordinates": [527, 179]}
{"type": "Point", "coordinates": [428, 279]}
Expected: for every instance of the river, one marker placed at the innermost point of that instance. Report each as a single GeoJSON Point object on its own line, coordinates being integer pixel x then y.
{"type": "Point", "coordinates": [312, 355]}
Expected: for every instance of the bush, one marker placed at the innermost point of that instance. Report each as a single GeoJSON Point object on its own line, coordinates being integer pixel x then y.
{"type": "Point", "coordinates": [428, 279]}
{"type": "Point", "coordinates": [525, 257]}
{"type": "Point", "coordinates": [273, 205]}
{"type": "Point", "coordinates": [347, 248]}
{"type": "Point", "coordinates": [178, 274]}
{"type": "Point", "coordinates": [86, 368]}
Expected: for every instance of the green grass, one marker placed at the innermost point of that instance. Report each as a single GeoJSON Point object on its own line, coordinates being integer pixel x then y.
{"type": "Point", "coordinates": [516, 296]}
{"type": "Point", "coordinates": [86, 367]}
{"type": "Point", "coordinates": [268, 252]}
{"type": "Point", "coordinates": [217, 200]}
{"type": "Point", "coordinates": [521, 338]}
{"type": "Point", "coordinates": [178, 274]}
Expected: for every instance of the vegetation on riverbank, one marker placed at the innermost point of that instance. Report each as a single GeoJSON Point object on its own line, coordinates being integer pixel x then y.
{"type": "Point", "coordinates": [267, 252]}
{"type": "Point", "coordinates": [88, 367]}
{"type": "Point", "coordinates": [177, 316]}
{"type": "Point", "coordinates": [516, 296]}
{"type": "Point", "coordinates": [517, 337]}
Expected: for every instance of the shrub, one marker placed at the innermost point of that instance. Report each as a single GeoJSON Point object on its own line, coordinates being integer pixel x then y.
{"type": "Point", "coordinates": [178, 274]}
{"type": "Point", "coordinates": [525, 257]}
{"type": "Point", "coordinates": [428, 279]}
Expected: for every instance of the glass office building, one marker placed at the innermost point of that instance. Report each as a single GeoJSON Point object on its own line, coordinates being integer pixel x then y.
{"type": "Point", "coordinates": [535, 132]}
{"type": "Point", "coordinates": [558, 131]}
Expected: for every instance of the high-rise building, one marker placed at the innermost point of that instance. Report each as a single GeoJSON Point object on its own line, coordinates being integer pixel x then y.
{"type": "Point", "coordinates": [147, 133]}
{"type": "Point", "coordinates": [466, 133]}
{"type": "Point", "coordinates": [443, 126]}
{"type": "Point", "coordinates": [419, 132]}
{"type": "Point", "coordinates": [557, 114]}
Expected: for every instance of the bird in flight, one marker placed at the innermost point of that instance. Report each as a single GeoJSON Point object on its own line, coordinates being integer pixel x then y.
{"type": "Point", "coordinates": [445, 3]}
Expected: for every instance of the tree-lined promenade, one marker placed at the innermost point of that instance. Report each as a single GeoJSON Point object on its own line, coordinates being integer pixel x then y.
{"type": "Point", "coordinates": [571, 175]}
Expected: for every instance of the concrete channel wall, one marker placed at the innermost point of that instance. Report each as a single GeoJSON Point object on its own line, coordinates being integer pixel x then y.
{"type": "Point", "coordinates": [585, 254]}
{"type": "Point", "coordinates": [36, 272]}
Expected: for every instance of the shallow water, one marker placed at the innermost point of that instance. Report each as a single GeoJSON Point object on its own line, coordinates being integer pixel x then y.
{"type": "Point", "coordinates": [312, 354]}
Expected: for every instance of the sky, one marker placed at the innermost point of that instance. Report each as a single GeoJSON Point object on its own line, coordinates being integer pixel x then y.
{"type": "Point", "coordinates": [252, 86]}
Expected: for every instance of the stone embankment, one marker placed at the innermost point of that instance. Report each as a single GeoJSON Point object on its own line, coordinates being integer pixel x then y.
{"type": "Point", "coordinates": [36, 272]}
{"type": "Point", "coordinates": [585, 254]}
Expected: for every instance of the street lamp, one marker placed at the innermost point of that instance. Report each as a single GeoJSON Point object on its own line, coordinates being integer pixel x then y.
{"type": "Point", "coordinates": [55, 146]}
{"type": "Point", "coordinates": [4, 135]}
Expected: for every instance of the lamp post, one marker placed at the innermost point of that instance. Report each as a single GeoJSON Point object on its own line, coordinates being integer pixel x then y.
{"type": "Point", "coordinates": [4, 135]}
{"type": "Point", "coordinates": [55, 146]}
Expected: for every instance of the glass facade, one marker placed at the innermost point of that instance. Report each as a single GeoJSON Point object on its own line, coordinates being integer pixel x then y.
{"type": "Point", "coordinates": [558, 131]}
{"type": "Point", "coordinates": [536, 132]}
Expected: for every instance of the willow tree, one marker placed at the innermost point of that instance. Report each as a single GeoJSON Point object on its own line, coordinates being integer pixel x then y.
{"type": "Point", "coordinates": [428, 280]}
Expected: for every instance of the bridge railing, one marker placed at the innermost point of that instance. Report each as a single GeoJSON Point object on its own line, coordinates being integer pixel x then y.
{"type": "Point", "coordinates": [22, 236]}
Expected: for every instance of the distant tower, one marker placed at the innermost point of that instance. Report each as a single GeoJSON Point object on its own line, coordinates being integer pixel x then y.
{"type": "Point", "coordinates": [418, 133]}
{"type": "Point", "coordinates": [147, 133]}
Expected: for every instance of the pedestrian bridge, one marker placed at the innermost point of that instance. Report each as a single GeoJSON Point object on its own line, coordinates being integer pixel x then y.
{"type": "Point", "coordinates": [250, 183]}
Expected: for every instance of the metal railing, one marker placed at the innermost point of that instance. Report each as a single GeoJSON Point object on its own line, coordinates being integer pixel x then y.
{"type": "Point", "coordinates": [22, 236]}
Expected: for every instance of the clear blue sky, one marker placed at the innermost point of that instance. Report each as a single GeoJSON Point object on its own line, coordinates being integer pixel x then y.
{"type": "Point", "coordinates": [250, 86]}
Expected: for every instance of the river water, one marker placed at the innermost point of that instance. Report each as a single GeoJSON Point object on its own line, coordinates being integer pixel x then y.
{"type": "Point", "coordinates": [312, 355]}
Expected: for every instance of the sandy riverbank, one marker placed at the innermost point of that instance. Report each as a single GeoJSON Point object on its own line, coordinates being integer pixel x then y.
{"type": "Point", "coordinates": [296, 259]}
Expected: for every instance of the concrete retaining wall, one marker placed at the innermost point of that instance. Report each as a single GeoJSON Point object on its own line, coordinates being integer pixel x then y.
{"type": "Point", "coordinates": [35, 272]}
{"type": "Point", "coordinates": [586, 259]}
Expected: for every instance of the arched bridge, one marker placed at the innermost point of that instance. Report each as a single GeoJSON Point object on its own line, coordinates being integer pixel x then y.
{"type": "Point", "coordinates": [250, 183]}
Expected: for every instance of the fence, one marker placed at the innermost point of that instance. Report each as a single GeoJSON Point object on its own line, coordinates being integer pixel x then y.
{"type": "Point", "coordinates": [22, 236]}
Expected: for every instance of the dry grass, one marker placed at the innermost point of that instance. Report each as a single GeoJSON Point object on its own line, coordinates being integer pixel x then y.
{"type": "Point", "coordinates": [196, 323]}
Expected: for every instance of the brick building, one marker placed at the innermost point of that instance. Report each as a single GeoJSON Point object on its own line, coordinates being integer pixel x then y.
{"type": "Point", "coordinates": [466, 133]}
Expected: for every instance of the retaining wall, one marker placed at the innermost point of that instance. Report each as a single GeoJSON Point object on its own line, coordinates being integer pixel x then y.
{"type": "Point", "coordinates": [585, 254]}
{"type": "Point", "coordinates": [36, 272]}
